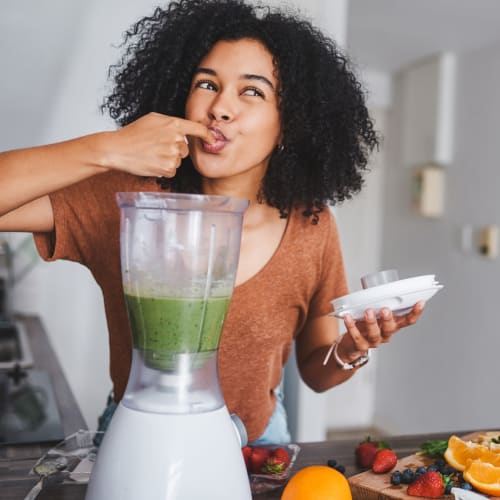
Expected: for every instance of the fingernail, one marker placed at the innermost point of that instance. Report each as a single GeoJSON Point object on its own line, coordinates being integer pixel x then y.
{"type": "Point", "coordinates": [370, 314]}
{"type": "Point", "coordinates": [348, 320]}
{"type": "Point", "coordinates": [420, 305]}
{"type": "Point", "coordinates": [384, 313]}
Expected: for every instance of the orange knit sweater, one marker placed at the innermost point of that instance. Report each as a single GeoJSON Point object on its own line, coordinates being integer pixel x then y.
{"type": "Point", "coordinates": [267, 312]}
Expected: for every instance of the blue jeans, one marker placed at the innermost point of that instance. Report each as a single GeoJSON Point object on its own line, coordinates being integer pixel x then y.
{"type": "Point", "coordinates": [276, 431]}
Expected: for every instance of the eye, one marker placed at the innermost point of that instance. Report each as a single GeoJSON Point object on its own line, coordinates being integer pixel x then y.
{"type": "Point", "coordinates": [254, 92]}
{"type": "Point", "coordinates": [205, 84]}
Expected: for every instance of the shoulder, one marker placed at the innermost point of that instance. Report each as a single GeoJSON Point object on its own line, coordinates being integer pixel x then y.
{"type": "Point", "coordinates": [317, 227]}
{"type": "Point", "coordinates": [320, 238]}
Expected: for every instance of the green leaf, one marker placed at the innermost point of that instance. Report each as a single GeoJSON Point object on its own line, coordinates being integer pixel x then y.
{"type": "Point", "coordinates": [433, 448]}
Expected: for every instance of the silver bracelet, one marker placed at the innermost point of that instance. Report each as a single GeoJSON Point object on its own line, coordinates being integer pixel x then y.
{"type": "Point", "coordinates": [350, 366]}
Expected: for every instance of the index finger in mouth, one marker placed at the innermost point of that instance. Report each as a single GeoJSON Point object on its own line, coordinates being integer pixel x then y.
{"type": "Point", "coordinates": [197, 130]}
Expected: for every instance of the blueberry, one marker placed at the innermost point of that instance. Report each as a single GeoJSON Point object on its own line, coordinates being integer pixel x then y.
{"type": "Point", "coordinates": [448, 470]}
{"type": "Point", "coordinates": [396, 479]}
{"type": "Point", "coordinates": [331, 463]}
{"type": "Point", "coordinates": [466, 486]}
{"type": "Point", "coordinates": [421, 470]}
{"type": "Point", "coordinates": [440, 462]}
{"type": "Point", "coordinates": [408, 476]}
{"type": "Point", "coordinates": [340, 468]}
{"type": "Point", "coordinates": [433, 467]}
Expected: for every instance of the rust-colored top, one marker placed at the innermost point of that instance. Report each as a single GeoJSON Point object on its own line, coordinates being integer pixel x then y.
{"type": "Point", "coordinates": [267, 312]}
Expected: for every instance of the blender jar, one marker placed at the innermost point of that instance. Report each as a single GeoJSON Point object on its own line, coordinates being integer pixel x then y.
{"type": "Point", "coordinates": [179, 260]}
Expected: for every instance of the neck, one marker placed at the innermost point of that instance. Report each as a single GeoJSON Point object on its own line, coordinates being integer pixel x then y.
{"type": "Point", "coordinates": [233, 188]}
{"type": "Point", "coordinates": [256, 213]}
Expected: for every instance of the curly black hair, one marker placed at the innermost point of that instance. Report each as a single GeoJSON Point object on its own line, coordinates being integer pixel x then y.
{"type": "Point", "coordinates": [327, 131]}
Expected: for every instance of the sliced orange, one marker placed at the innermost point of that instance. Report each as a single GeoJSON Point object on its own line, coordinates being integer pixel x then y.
{"type": "Point", "coordinates": [483, 476]}
{"type": "Point", "coordinates": [459, 452]}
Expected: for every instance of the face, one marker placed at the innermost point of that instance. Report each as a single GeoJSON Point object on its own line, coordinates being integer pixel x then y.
{"type": "Point", "coordinates": [234, 93]}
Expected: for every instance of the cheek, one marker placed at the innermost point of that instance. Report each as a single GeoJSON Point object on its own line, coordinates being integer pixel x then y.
{"type": "Point", "coordinates": [266, 131]}
{"type": "Point", "coordinates": [191, 106]}
{"type": "Point", "coordinates": [188, 110]}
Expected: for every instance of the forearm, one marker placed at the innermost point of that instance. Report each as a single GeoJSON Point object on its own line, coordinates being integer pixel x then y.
{"type": "Point", "coordinates": [321, 377]}
{"type": "Point", "coordinates": [28, 174]}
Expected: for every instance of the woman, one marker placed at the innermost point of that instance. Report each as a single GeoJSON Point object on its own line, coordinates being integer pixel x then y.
{"type": "Point", "coordinates": [221, 97]}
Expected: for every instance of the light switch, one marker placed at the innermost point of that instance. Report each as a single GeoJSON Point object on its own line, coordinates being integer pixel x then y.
{"type": "Point", "coordinates": [488, 241]}
{"type": "Point", "coordinates": [429, 190]}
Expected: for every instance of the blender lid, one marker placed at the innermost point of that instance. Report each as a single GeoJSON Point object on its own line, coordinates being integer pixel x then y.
{"type": "Point", "coordinates": [399, 296]}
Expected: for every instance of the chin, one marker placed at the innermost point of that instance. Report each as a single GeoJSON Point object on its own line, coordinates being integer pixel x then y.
{"type": "Point", "coordinates": [211, 167]}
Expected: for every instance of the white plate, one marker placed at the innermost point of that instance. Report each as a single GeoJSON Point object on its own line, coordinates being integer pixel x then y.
{"type": "Point", "coordinates": [382, 296]}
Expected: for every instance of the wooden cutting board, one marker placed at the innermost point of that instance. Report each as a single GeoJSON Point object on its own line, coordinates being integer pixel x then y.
{"type": "Point", "coordinates": [370, 486]}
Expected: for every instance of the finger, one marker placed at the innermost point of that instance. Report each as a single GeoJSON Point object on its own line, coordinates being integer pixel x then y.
{"type": "Point", "coordinates": [183, 149]}
{"type": "Point", "coordinates": [412, 317]}
{"type": "Point", "coordinates": [195, 129]}
{"type": "Point", "coordinates": [388, 324]}
{"type": "Point", "coordinates": [372, 329]}
{"type": "Point", "coordinates": [358, 340]}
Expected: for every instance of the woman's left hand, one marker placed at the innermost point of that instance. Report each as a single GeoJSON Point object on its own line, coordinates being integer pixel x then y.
{"type": "Point", "coordinates": [370, 332]}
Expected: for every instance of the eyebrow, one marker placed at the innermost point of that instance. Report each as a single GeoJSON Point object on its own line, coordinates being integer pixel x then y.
{"type": "Point", "coordinates": [246, 76]}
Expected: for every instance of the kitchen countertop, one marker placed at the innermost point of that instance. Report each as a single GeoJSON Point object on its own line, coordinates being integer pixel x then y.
{"type": "Point", "coordinates": [15, 482]}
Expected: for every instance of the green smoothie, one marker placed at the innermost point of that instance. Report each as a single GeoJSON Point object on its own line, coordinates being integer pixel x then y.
{"type": "Point", "coordinates": [162, 327]}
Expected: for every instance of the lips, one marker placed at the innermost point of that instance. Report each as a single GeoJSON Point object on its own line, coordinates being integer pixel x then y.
{"type": "Point", "coordinates": [220, 141]}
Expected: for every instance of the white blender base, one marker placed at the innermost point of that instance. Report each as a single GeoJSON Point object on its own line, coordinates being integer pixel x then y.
{"type": "Point", "coordinates": [169, 457]}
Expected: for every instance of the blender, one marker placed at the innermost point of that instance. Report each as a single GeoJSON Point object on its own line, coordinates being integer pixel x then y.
{"type": "Point", "coordinates": [172, 436]}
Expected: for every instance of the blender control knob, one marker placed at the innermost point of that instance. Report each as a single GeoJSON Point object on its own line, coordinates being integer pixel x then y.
{"type": "Point", "coordinates": [240, 429]}
{"type": "Point", "coordinates": [379, 278]}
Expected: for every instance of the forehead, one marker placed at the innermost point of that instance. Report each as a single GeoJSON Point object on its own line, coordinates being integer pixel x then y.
{"type": "Point", "coordinates": [245, 56]}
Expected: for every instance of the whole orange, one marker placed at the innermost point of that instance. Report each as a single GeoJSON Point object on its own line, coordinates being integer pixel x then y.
{"type": "Point", "coordinates": [317, 482]}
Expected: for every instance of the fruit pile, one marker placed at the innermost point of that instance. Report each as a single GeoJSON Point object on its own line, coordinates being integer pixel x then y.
{"type": "Point", "coordinates": [469, 465]}
{"type": "Point", "coordinates": [432, 481]}
{"type": "Point", "coordinates": [263, 460]}
{"type": "Point", "coordinates": [479, 462]}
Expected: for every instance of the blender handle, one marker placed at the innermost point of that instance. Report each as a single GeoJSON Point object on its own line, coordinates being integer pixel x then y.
{"type": "Point", "coordinates": [240, 429]}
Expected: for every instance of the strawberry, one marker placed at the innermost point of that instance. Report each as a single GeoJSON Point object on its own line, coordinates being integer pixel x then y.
{"type": "Point", "coordinates": [384, 461]}
{"type": "Point", "coordinates": [365, 453]}
{"type": "Point", "coordinates": [247, 452]}
{"type": "Point", "coordinates": [278, 461]}
{"type": "Point", "coordinates": [258, 459]}
{"type": "Point", "coordinates": [283, 455]}
{"type": "Point", "coordinates": [430, 485]}
{"type": "Point", "coordinates": [274, 465]}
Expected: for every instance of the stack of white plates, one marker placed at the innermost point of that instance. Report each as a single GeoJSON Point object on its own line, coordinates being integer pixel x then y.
{"type": "Point", "coordinates": [399, 296]}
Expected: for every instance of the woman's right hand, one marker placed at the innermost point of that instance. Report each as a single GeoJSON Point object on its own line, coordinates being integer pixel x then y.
{"type": "Point", "coordinates": [153, 145]}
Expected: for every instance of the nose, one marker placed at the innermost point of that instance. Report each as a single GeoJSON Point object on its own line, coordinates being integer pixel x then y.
{"type": "Point", "coordinates": [221, 109]}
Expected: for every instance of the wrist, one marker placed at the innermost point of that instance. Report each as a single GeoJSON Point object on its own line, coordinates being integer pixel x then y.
{"type": "Point", "coordinates": [352, 365]}
{"type": "Point", "coordinates": [102, 157]}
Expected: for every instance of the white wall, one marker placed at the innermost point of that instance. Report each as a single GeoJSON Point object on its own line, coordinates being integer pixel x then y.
{"type": "Point", "coordinates": [443, 373]}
